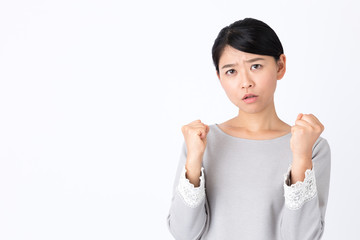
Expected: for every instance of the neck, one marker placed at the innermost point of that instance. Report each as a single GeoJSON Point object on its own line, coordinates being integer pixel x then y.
{"type": "Point", "coordinates": [263, 121]}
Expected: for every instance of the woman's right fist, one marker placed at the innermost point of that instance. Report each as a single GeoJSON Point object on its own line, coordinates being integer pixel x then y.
{"type": "Point", "coordinates": [195, 137]}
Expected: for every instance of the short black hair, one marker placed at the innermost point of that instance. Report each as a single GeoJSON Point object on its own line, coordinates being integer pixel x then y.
{"type": "Point", "coordinates": [247, 35]}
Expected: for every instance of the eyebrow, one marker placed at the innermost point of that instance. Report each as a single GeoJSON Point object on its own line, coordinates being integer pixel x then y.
{"type": "Point", "coordinates": [248, 61]}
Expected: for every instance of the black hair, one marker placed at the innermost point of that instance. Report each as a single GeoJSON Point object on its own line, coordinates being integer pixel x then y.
{"type": "Point", "coordinates": [247, 35]}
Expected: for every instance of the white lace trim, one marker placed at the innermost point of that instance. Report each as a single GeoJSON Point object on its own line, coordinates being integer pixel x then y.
{"type": "Point", "coordinates": [300, 192]}
{"type": "Point", "coordinates": [192, 195]}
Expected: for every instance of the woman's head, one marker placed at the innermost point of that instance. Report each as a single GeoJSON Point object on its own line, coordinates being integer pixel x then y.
{"type": "Point", "coordinates": [238, 48]}
{"type": "Point", "coordinates": [248, 35]}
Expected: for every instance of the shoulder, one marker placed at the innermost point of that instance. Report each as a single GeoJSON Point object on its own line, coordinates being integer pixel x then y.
{"type": "Point", "coordinates": [321, 144]}
{"type": "Point", "coordinates": [214, 133]}
{"type": "Point", "coordinates": [321, 151]}
{"type": "Point", "coordinates": [214, 130]}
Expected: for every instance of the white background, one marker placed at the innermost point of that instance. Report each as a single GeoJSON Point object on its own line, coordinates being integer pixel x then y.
{"type": "Point", "coordinates": [93, 95]}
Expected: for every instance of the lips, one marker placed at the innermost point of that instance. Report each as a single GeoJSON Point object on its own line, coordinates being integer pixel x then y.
{"type": "Point", "coordinates": [249, 95]}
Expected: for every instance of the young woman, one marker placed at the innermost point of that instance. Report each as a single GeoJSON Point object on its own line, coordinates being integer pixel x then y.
{"type": "Point", "coordinates": [253, 176]}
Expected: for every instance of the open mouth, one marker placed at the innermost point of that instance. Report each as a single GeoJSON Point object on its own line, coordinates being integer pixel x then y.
{"type": "Point", "coordinates": [249, 96]}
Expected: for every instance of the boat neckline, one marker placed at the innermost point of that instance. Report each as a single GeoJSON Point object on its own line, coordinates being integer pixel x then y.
{"type": "Point", "coordinates": [250, 140]}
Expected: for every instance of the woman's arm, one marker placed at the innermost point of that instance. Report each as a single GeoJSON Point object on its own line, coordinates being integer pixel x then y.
{"type": "Point", "coordinates": [188, 215]}
{"type": "Point", "coordinates": [303, 215]}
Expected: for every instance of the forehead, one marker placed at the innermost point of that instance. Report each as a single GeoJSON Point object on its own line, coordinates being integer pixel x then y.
{"type": "Point", "coordinates": [231, 54]}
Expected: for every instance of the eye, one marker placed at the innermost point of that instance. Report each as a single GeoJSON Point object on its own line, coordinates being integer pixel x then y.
{"type": "Point", "coordinates": [256, 65]}
{"type": "Point", "coordinates": [229, 71]}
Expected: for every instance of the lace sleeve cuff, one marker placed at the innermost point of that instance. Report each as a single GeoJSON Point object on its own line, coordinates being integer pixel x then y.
{"type": "Point", "coordinates": [192, 195]}
{"type": "Point", "coordinates": [300, 192]}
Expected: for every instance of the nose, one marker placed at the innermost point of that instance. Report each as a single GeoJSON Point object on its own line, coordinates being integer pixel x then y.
{"type": "Point", "coordinates": [247, 85]}
{"type": "Point", "coordinates": [246, 81]}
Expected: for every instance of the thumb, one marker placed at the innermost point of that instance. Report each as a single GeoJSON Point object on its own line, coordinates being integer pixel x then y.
{"type": "Point", "coordinates": [202, 134]}
{"type": "Point", "coordinates": [299, 116]}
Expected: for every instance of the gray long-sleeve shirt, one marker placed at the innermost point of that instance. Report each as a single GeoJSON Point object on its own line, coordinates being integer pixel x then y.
{"type": "Point", "coordinates": [244, 192]}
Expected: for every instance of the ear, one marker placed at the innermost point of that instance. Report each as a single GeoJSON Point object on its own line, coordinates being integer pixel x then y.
{"type": "Point", "coordinates": [281, 66]}
{"type": "Point", "coordinates": [217, 73]}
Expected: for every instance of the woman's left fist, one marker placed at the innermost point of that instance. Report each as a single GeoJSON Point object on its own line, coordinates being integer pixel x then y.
{"type": "Point", "coordinates": [305, 132]}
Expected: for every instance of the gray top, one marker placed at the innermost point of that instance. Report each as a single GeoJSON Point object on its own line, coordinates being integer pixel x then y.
{"type": "Point", "coordinates": [244, 191]}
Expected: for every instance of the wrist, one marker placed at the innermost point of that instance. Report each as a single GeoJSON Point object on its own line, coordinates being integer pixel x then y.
{"type": "Point", "coordinates": [193, 167]}
{"type": "Point", "coordinates": [302, 157]}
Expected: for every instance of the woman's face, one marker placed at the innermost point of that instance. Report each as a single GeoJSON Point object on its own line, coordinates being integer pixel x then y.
{"type": "Point", "coordinates": [241, 73]}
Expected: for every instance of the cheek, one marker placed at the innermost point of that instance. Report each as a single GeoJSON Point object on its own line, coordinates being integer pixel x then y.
{"type": "Point", "coordinates": [267, 80]}
{"type": "Point", "coordinates": [233, 91]}
{"type": "Point", "coordinates": [268, 88]}
{"type": "Point", "coordinates": [230, 88]}
{"type": "Point", "coordinates": [267, 83]}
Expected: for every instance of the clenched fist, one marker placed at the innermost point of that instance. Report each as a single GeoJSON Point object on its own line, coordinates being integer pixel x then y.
{"type": "Point", "coordinates": [305, 132]}
{"type": "Point", "coordinates": [195, 137]}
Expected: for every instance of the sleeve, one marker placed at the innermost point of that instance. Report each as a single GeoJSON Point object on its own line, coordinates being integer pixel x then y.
{"type": "Point", "coordinates": [188, 216]}
{"type": "Point", "coordinates": [303, 215]}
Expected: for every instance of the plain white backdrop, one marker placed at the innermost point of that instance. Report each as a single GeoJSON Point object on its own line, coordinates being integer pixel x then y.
{"type": "Point", "coordinates": [93, 95]}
